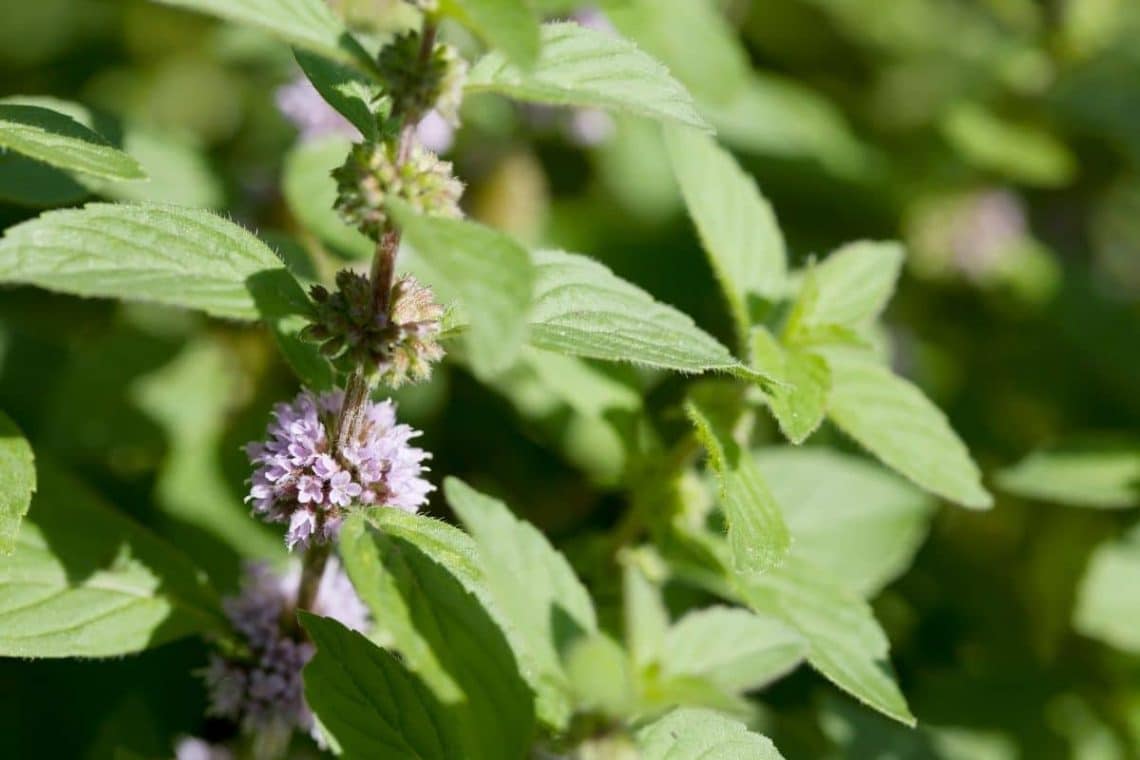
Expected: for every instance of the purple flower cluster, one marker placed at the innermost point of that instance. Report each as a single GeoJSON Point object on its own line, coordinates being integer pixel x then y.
{"type": "Point", "coordinates": [261, 689]}
{"type": "Point", "coordinates": [300, 481]}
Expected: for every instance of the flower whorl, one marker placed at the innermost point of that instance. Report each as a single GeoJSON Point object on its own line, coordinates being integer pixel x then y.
{"type": "Point", "coordinates": [301, 481]}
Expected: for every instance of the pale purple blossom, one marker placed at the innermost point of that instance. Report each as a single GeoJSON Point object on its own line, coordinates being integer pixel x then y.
{"type": "Point", "coordinates": [300, 103]}
{"type": "Point", "coordinates": [300, 481]}
{"type": "Point", "coordinates": [193, 748]}
{"type": "Point", "coordinates": [261, 688]}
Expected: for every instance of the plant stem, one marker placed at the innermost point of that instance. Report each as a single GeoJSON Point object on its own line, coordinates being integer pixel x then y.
{"type": "Point", "coordinates": [312, 570]}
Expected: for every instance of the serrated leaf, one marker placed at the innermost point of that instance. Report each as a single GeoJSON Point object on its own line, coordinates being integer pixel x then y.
{"type": "Point", "coordinates": [509, 25]}
{"type": "Point", "coordinates": [757, 535]}
{"type": "Point", "coordinates": [734, 648]}
{"type": "Point", "coordinates": [61, 141]}
{"type": "Point", "coordinates": [895, 422]}
{"type": "Point", "coordinates": [445, 633]}
{"type": "Point", "coordinates": [86, 581]}
{"type": "Point", "coordinates": [346, 89]}
{"type": "Point", "coordinates": [583, 309]}
{"type": "Point", "coordinates": [17, 481]}
{"type": "Point", "coordinates": [309, 24]}
{"type": "Point", "coordinates": [850, 288]}
{"type": "Point", "coordinates": [1108, 599]}
{"type": "Point", "coordinates": [1100, 475]}
{"type": "Point", "coordinates": [799, 399]}
{"type": "Point", "coordinates": [140, 252]}
{"type": "Point", "coordinates": [535, 589]}
{"type": "Point", "coordinates": [697, 734]}
{"type": "Point", "coordinates": [371, 704]}
{"type": "Point", "coordinates": [583, 67]}
{"type": "Point", "coordinates": [845, 642]}
{"type": "Point", "coordinates": [489, 273]}
{"type": "Point", "coordinates": [737, 227]}
{"type": "Point", "coordinates": [847, 515]}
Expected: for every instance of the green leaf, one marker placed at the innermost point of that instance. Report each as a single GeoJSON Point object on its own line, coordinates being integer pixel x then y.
{"type": "Point", "coordinates": [17, 481]}
{"type": "Point", "coordinates": [286, 310]}
{"type": "Point", "coordinates": [445, 633]}
{"type": "Point", "coordinates": [799, 399]}
{"type": "Point", "coordinates": [583, 309]}
{"type": "Point", "coordinates": [489, 273]}
{"type": "Point", "coordinates": [757, 535]}
{"type": "Point", "coordinates": [140, 252]}
{"type": "Point", "coordinates": [1023, 152]}
{"type": "Point", "coordinates": [850, 288]}
{"type": "Point", "coordinates": [369, 702]}
{"type": "Point", "coordinates": [583, 67]}
{"type": "Point", "coordinates": [310, 192]}
{"type": "Point", "coordinates": [345, 89]}
{"type": "Point", "coordinates": [1108, 600]}
{"type": "Point", "coordinates": [697, 734]}
{"type": "Point", "coordinates": [601, 676]}
{"type": "Point", "coordinates": [645, 617]}
{"type": "Point", "coordinates": [509, 25]}
{"type": "Point", "coordinates": [733, 648]}
{"type": "Point", "coordinates": [309, 24]}
{"type": "Point", "coordinates": [59, 140]}
{"type": "Point", "coordinates": [737, 227]}
{"type": "Point", "coordinates": [85, 581]}
{"type": "Point", "coordinates": [849, 516]}
{"type": "Point", "coordinates": [1101, 475]}
{"type": "Point", "coordinates": [899, 425]}
{"type": "Point", "coordinates": [535, 589]}
{"type": "Point", "coordinates": [845, 643]}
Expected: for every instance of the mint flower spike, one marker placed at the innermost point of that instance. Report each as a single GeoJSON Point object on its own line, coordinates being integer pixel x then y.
{"type": "Point", "coordinates": [261, 690]}
{"type": "Point", "coordinates": [300, 481]}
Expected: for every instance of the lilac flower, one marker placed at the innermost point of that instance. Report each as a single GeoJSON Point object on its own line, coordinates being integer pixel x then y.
{"type": "Point", "coordinates": [300, 103]}
{"type": "Point", "coordinates": [300, 481]}
{"type": "Point", "coordinates": [261, 689]}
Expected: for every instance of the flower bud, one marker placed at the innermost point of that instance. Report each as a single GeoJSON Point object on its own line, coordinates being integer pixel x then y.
{"type": "Point", "coordinates": [416, 87]}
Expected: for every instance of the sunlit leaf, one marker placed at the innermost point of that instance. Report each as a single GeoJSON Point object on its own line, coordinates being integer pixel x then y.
{"type": "Point", "coordinates": [59, 140]}
{"type": "Point", "coordinates": [696, 734]}
{"type": "Point", "coordinates": [509, 25]}
{"type": "Point", "coordinates": [1098, 475]}
{"type": "Point", "coordinates": [17, 481]}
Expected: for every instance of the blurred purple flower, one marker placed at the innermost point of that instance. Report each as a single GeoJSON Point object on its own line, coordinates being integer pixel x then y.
{"type": "Point", "coordinates": [299, 481]}
{"type": "Point", "coordinates": [193, 748]}
{"type": "Point", "coordinates": [261, 690]}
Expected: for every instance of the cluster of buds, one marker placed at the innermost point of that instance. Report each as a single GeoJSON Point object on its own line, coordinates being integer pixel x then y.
{"type": "Point", "coordinates": [416, 83]}
{"type": "Point", "coordinates": [397, 345]}
{"type": "Point", "coordinates": [374, 172]}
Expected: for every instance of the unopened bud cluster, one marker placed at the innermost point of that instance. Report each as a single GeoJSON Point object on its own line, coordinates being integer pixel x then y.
{"type": "Point", "coordinates": [396, 346]}
{"type": "Point", "coordinates": [416, 83]}
{"type": "Point", "coordinates": [374, 173]}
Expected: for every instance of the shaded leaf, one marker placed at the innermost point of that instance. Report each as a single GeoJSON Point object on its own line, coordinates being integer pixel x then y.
{"type": "Point", "coordinates": [345, 89]}
{"type": "Point", "coordinates": [17, 481]}
{"type": "Point", "coordinates": [1101, 475]}
{"type": "Point", "coordinates": [59, 140]}
{"type": "Point", "coordinates": [509, 25]}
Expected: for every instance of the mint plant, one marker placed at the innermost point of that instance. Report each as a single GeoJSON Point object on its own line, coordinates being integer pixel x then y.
{"type": "Point", "coordinates": [385, 631]}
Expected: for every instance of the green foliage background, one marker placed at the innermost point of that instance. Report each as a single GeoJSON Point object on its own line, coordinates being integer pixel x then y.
{"type": "Point", "coordinates": [997, 139]}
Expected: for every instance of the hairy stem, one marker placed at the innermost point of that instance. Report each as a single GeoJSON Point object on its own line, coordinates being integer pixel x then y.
{"type": "Point", "coordinates": [312, 570]}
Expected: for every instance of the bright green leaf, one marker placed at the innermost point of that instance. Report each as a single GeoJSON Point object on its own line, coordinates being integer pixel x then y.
{"type": "Point", "coordinates": [86, 581]}
{"type": "Point", "coordinates": [1108, 600]}
{"type": "Point", "coordinates": [1023, 152]}
{"type": "Point", "coordinates": [734, 648]}
{"type": "Point", "coordinates": [845, 642]}
{"type": "Point", "coordinates": [645, 617]}
{"type": "Point", "coordinates": [309, 24]}
{"type": "Point", "coordinates": [369, 701]}
{"type": "Point", "coordinates": [601, 676]}
{"type": "Point", "coordinates": [535, 589]}
{"type": "Point", "coordinates": [697, 734]}
{"type": "Point", "coordinates": [59, 140]}
{"type": "Point", "coordinates": [799, 399]}
{"type": "Point", "coordinates": [847, 515]}
{"type": "Point", "coordinates": [848, 289]}
{"type": "Point", "coordinates": [509, 25]}
{"type": "Point", "coordinates": [1098, 475]}
{"type": "Point", "coordinates": [445, 632]}
{"type": "Point", "coordinates": [581, 308]}
{"type": "Point", "coordinates": [757, 535]}
{"type": "Point", "coordinates": [166, 254]}
{"type": "Point", "coordinates": [583, 67]}
{"type": "Point", "coordinates": [17, 481]}
{"type": "Point", "coordinates": [489, 273]}
{"type": "Point", "coordinates": [895, 422]}
{"type": "Point", "coordinates": [737, 227]}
